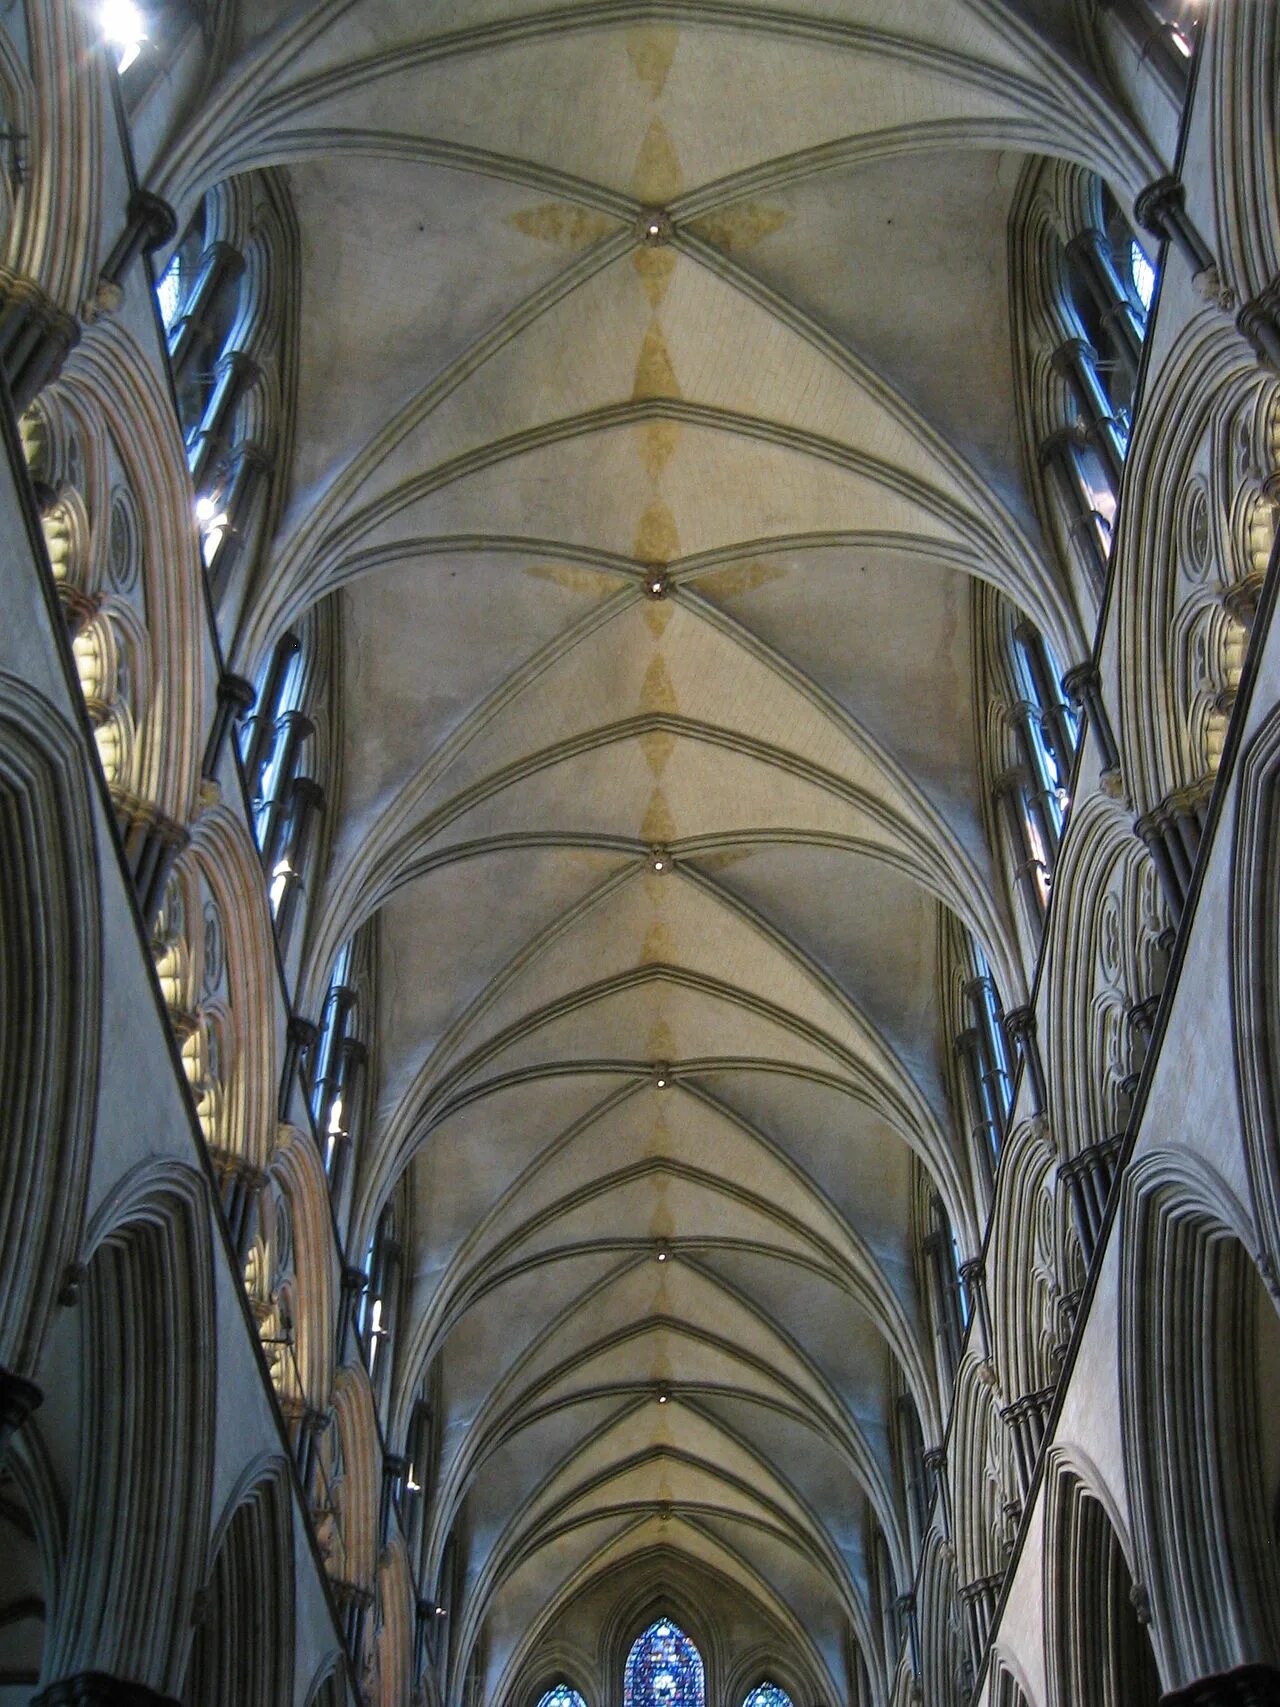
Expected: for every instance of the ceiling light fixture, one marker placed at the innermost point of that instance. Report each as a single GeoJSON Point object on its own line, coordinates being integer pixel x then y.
{"type": "Point", "coordinates": [664, 1251]}
{"type": "Point", "coordinates": [660, 858]}
{"type": "Point", "coordinates": [654, 227]}
{"type": "Point", "coordinates": [661, 1075]}
{"type": "Point", "coordinates": [663, 1396]}
{"type": "Point", "coordinates": [656, 584]}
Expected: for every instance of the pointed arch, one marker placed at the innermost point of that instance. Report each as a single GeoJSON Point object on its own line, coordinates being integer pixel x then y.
{"type": "Point", "coordinates": [1096, 1649]}
{"type": "Point", "coordinates": [139, 1514]}
{"type": "Point", "coordinates": [50, 981]}
{"type": "Point", "coordinates": [1199, 1347]}
{"type": "Point", "coordinates": [243, 1646]}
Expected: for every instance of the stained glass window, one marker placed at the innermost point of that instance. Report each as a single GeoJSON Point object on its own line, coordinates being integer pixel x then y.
{"type": "Point", "coordinates": [562, 1696]}
{"type": "Point", "coordinates": [767, 1695]}
{"type": "Point", "coordinates": [664, 1669]}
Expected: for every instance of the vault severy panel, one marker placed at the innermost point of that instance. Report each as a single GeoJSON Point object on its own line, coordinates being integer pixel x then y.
{"type": "Point", "coordinates": [802, 412]}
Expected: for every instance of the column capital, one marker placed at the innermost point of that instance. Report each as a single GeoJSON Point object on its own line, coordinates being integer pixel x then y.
{"type": "Point", "coordinates": [1070, 353]}
{"type": "Point", "coordinates": [1162, 196]}
{"type": "Point", "coordinates": [301, 1031]}
{"type": "Point", "coordinates": [1021, 1022]}
{"type": "Point", "coordinates": [236, 692]}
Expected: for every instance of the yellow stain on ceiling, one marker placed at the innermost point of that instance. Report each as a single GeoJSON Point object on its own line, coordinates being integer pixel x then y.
{"type": "Point", "coordinates": [659, 946]}
{"type": "Point", "coordinates": [574, 578]}
{"type": "Point", "coordinates": [655, 267]}
{"type": "Point", "coordinates": [738, 578]}
{"type": "Point", "coordinates": [722, 860]}
{"type": "Point", "coordinates": [740, 227]}
{"type": "Point", "coordinates": [657, 749]}
{"type": "Point", "coordinates": [655, 371]}
{"type": "Point", "coordinates": [660, 1045]}
{"type": "Point", "coordinates": [657, 693]}
{"type": "Point", "coordinates": [563, 224]}
{"type": "Point", "coordinates": [651, 50]}
{"type": "Point", "coordinates": [658, 825]}
{"type": "Point", "coordinates": [656, 178]}
{"type": "Point", "coordinates": [658, 443]}
{"type": "Point", "coordinates": [657, 540]}
{"type": "Point", "coordinates": [656, 617]}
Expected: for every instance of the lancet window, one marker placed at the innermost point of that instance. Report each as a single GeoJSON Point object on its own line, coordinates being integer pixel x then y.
{"type": "Point", "coordinates": [378, 1304]}
{"type": "Point", "coordinates": [948, 1294]}
{"type": "Point", "coordinates": [664, 1669]}
{"type": "Point", "coordinates": [908, 1446]}
{"type": "Point", "coordinates": [276, 746]}
{"type": "Point", "coordinates": [562, 1695]}
{"type": "Point", "coordinates": [768, 1695]}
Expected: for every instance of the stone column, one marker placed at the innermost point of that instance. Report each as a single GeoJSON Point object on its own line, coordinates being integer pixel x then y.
{"type": "Point", "coordinates": [252, 465]}
{"type": "Point", "coordinates": [354, 1282]}
{"type": "Point", "coordinates": [239, 1183]}
{"type": "Point", "coordinates": [974, 1275]}
{"type": "Point", "coordinates": [150, 223]}
{"type": "Point", "coordinates": [353, 1605]}
{"type": "Point", "coordinates": [306, 801]}
{"type": "Point", "coordinates": [151, 844]}
{"type": "Point", "coordinates": [219, 268]}
{"type": "Point", "coordinates": [1259, 322]}
{"type": "Point", "coordinates": [1042, 797]}
{"type": "Point", "coordinates": [1172, 833]}
{"type": "Point", "coordinates": [1091, 251]}
{"type": "Point", "coordinates": [908, 1620]}
{"type": "Point", "coordinates": [1077, 363]}
{"type": "Point", "coordinates": [262, 725]}
{"type": "Point", "coordinates": [1084, 685]}
{"type": "Point", "coordinates": [1162, 209]}
{"type": "Point", "coordinates": [979, 1599]}
{"type": "Point", "coordinates": [36, 337]}
{"type": "Point", "coordinates": [1050, 692]}
{"type": "Point", "coordinates": [393, 1472]}
{"type": "Point", "coordinates": [235, 700]}
{"type": "Point", "coordinates": [300, 1038]}
{"type": "Point", "coordinates": [1027, 870]}
{"type": "Point", "coordinates": [1026, 1419]}
{"type": "Point", "coordinates": [1022, 1028]}
{"type": "Point", "coordinates": [1090, 1176]}
{"type": "Point", "coordinates": [967, 1053]}
{"type": "Point", "coordinates": [935, 1464]}
{"type": "Point", "coordinates": [1060, 456]}
{"type": "Point", "coordinates": [236, 372]}
{"type": "Point", "coordinates": [291, 730]}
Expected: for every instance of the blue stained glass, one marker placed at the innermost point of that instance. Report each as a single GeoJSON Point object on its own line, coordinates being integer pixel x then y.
{"type": "Point", "coordinates": [767, 1695]}
{"type": "Point", "coordinates": [664, 1669]}
{"type": "Point", "coordinates": [562, 1696]}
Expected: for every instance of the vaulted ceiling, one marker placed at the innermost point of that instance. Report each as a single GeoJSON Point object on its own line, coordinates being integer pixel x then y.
{"type": "Point", "coordinates": [795, 411]}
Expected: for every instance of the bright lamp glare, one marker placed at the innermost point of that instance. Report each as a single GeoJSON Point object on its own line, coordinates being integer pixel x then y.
{"type": "Point", "coordinates": [124, 28]}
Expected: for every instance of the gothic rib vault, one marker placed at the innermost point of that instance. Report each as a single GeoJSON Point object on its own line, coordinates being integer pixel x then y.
{"type": "Point", "coordinates": [795, 414]}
